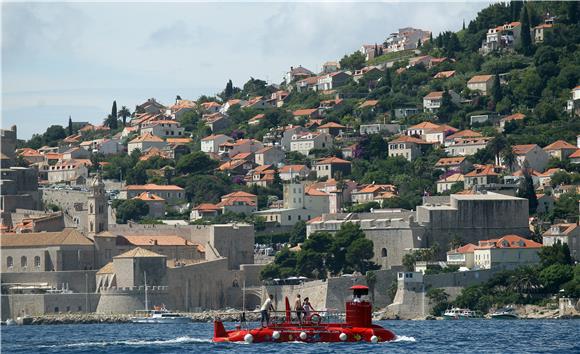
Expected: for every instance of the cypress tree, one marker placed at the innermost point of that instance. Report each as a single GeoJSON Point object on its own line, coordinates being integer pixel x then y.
{"type": "Point", "coordinates": [526, 38]}
{"type": "Point", "coordinates": [463, 28]}
{"type": "Point", "coordinates": [516, 8]}
{"type": "Point", "coordinates": [496, 89]}
{"type": "Point", "coordinates": [572, 12]}
{"type": "Point", "coordinates": [113, 119]}
{"type": "Point", "coordinates": [70, 127]}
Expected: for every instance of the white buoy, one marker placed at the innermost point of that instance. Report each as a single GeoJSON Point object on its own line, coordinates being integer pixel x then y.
{"type": "Point", "coordinates": [276, 335]}
{"type": "Point", "coordinates": [248, 338]}
{"type": "Point", "coordinates": [303, 335]}
{"type": "Point", "coordinates": [374, 339]}
{"type": "Point", "coordinates": [343, 337]}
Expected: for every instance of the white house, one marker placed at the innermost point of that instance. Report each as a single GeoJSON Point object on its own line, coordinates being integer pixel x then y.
{"type": "Point", "coordinates": [162, 128]}
{"type": "Point", "coordinates": [305, 142]}
{"type": "Point", "coordinates": [432, 102]}
{"type": "Point", "coordinates": [481, 83]}
{"type": "Point", "coordinates": [144, 142]}
{"type": "Point", "coordinates": [532, 156]}
{"type": "Point", "coordinates": [211, 143]}
{"type": "Point", "coordinates": [290, 172]}
{"type": "Point", "coordinates": [269, 155]}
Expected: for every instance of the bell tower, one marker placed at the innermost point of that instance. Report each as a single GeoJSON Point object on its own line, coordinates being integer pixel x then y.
{"type": "Point", "coordinates": [97, 213]}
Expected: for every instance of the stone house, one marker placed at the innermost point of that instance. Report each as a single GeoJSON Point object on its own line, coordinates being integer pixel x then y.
{"type": "Point", "coordinates": [155, 203]}
{"type": "Point", "coordinates": [462, 256]}
{"type": "Point", "coordinates": [231, 149]}
{"type": "Point", "coordinates": [269, 155]}
{"type": "Point", "coordinates": [163, 128]}
{"type": "Point", "coordinates": [143, 142]}
{"type": "Point", "coordinates": [288, 133]}
{"type": "Point", "coordinates": [560, 149]}
{"type": "Point", "coordinates": [460, 164]}
{"type": "Point", "coordinates": [545, 203]}
{"type": "Point", "coordinates": [373, 192]}
{"type": "Point", "coordinates": [332, 128]}
{"type": "Point", "coordinates": [530, 156]}
{"type": "Point", "coordinates": [564, 233]}
{"type": "Point", "coordinates": [330, 166]}
{"type": "Point", "coordinates": [446, 183]}
{"type": "Point", "coordinates": [332, 81]}
{"type": "Point", "coordinates": [482, 175]}
{"type": "Point", "coordinates": [204, 211]}
{"type": "Point", "coordinates": [290, 172]}
{"type": "Point", "coordinates": [467, 146]}
{"type": "Point", "coordinates": [407, 146]}
{"type": "Point", "coordinates": [306, 113]}
{"type": "Point", "coordinates": [450, 139]}
{"type": "Point", "coordinates": [503, 37]}
{"type": "Point", "coordinates": [66, 250]}
{"type": "Point", "coordinates": [211, 143]}
{"type": "Point", "coordinates": [171, 193]}
{"type": "Point", "coordinates": [67, 171]}
{"type": "Point", "coordinates": [481, 83]}
{"type": "Point", "coordinates": [507, 253]}
{"type": "Point", "coordinates": [432, 102]}
{"type": "Point", "coordinates": [306, 142]}
{"type": "Point", "coordinates": [516, 117]}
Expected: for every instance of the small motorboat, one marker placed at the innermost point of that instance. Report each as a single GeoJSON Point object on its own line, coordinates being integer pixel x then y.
{"type": "Point", "coordinates": [357, 327]}
{"type": "Point", "coordinates": [456, 313]}
{"type": "Point", "coordinates": [159, 315]}
{"type": "Point", "coordinates": [505, 313]}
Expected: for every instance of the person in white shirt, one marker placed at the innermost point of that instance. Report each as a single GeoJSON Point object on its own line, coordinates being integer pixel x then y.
{"type": "Point", "coordinates": [264, 310]}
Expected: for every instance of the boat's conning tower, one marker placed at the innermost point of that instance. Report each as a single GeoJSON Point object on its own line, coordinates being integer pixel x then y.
{"type": "Point", "coordinates": [359, 311]}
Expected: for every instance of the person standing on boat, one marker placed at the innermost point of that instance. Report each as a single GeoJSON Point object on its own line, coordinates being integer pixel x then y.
{"type": "Point", "coordinates": [266, 307]}
{"type": "Point", "coordinates": [298, 308]}
{"type": "Point", "coordinates": [307, 308]}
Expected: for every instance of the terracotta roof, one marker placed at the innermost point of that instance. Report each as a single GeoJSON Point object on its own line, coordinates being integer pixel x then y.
{"type": "Point", "coordinates": [68, 236]}
{"type": "Point", "coordinates": [408, 139]}
{"type": "Point", "coordinates": [107, 269]}
{"type": "Point", "coordinates": [313, 220]}
{"type": "Point", "coordinates": [212, 137]}
{"type": "Point", "coordinates": [207, 207]}
{"type": "Point", "coordinates": [230, 165]}
{"type": "Point", "coordinates": [242, 155]}
{"type": "Point", "coordinates": [304, 112]}
{"type": "Point", "coordinates": [179, 140]}
{"type": "Point", "coordinates": [523, 149]}
{"type": "Point", "coordinates": [444, 74]}
{"type": "Point", "coordinates": [515, 116]}
{"type": "Point", "coordinates": [486, 170]}
{"type": "Point", "coordinates": [237, 200]}
{"type": "Point", "coordinates": [472, 141]}
{"type": "Point", "coordinates": [563, 229]}
{"type": "Point", "coordinates": [331, 125]}
{"type": "Point", "coordinates": [368, 103]}
{"type": "Point", "coordinates": [469, 248]}
{"type": "Point", "coordinates": [456, 177]}
{"type": "Point", "coordinates": [153, 187]}
{"type": "Point", "coordinates": [159, 240]}
{"type": "Point", "coordinates": [424, 125]}
{"type": "Point", "coordinates": [239, 194]}
{"type": "Point", "coordinates": [508, 241]}
{"type": "Point", "coordinates": [450, 161]}
{"type": "Point", "coordinates": [315, 192]}
{"type": "Point", "coordinates": [480, 78]}
{"type": "Point", "coordinates": [257, 117]}
{"type": "Point", "coordinates": [575, 155]}
{"type": "Point", "coordinates": [434, 95]}
{"type": "Point", "coordinates": [293, 168]}
{"type": "Point", "coordinates": [148, 196]}
{"type": "Point", "coordinates": [560, 145]}
{"type": "Point", "coordinates": [375, 188]}
{"type": "Point", "coordinates": [146, 137]}
{"type": "Point", "coordinates": [550, 172]}
{"type": "Point", "coordinates": [332, 160]}
{"type": "Point", "coordinates": [463, 134]}
{"type": "Point", "coordinates": [139, 252]}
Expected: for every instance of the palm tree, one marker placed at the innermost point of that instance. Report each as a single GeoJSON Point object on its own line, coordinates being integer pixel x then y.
{"type": "Point", "coordinates": [124, 113]}
{"type": "Point", "coordinates": [525, 280]}
{"type": "Point", "coordinates": [496, 145]}
{"type": "Point", "coordinates": [509, 158]}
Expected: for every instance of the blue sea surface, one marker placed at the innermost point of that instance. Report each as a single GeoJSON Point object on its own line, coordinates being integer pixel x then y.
{"type": "Point", "coordinates": [491, 336]}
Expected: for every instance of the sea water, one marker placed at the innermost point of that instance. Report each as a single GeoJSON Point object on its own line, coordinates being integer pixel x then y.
{"type": "Point", "coordinates": [478, 336]}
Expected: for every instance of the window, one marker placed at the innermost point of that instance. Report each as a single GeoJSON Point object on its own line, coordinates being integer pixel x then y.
{"type": "Point", "coordinates": [384, 252]}
{"type": "Point", "coordinates": [289, 217]}
{"type": "Point", "coordinates": [37, 262]}
{"type": "Point", "coordinates": [23, 262]}
{"type": "Point", "coordinates": [9, 262]}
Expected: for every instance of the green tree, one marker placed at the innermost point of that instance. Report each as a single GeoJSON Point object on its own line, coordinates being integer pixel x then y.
{"type": "Point", "coordinates": [527, 190]}
{"type": "Point", "coordinates": [447, 107]}
{"type": "Point", "coordinates": [130, 209]}
{"type": "Point", "coordinates": [371, 278]}
{"type": "Point", "coordinates": [496, 93]}
{"type": "Point", "coordinates": [525, 38]}
{"type": "Point", "coordinates": [566, 207]}
{"type": "Point", "coordinates": [298, 233]}
{"type": "Point", "coordinates": [318, 242]}
{"type": "Point", "coordinates": [359, 254]}
{"type": "Point", "coordinates": [124, 113]}
{"type": "Point", "coordinates": [311, 264]}
{"type": "Point", "coordinates": [355, 61]}
{"type": "Point", "coordinates": [558, 253]}
{"type": "Point", "coordinates": [554, 276]}
{"type": "Point", "coordinates": [70, 126]}
{"type": "Point", "coordinates": [439, 299]}
{"type": "Point", "coordinates": [196, 162]}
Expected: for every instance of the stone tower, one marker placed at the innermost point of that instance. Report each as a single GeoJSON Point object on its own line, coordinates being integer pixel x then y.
{"type": "Point", "coordinates": [98, 216]}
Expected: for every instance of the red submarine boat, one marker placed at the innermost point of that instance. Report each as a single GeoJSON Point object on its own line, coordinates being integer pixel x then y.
{"type": "Point", "coordinates": [358, 327]}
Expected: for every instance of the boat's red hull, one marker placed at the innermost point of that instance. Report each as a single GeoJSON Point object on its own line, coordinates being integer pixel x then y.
{"type": "Point", "coordinates": [337, 332]}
